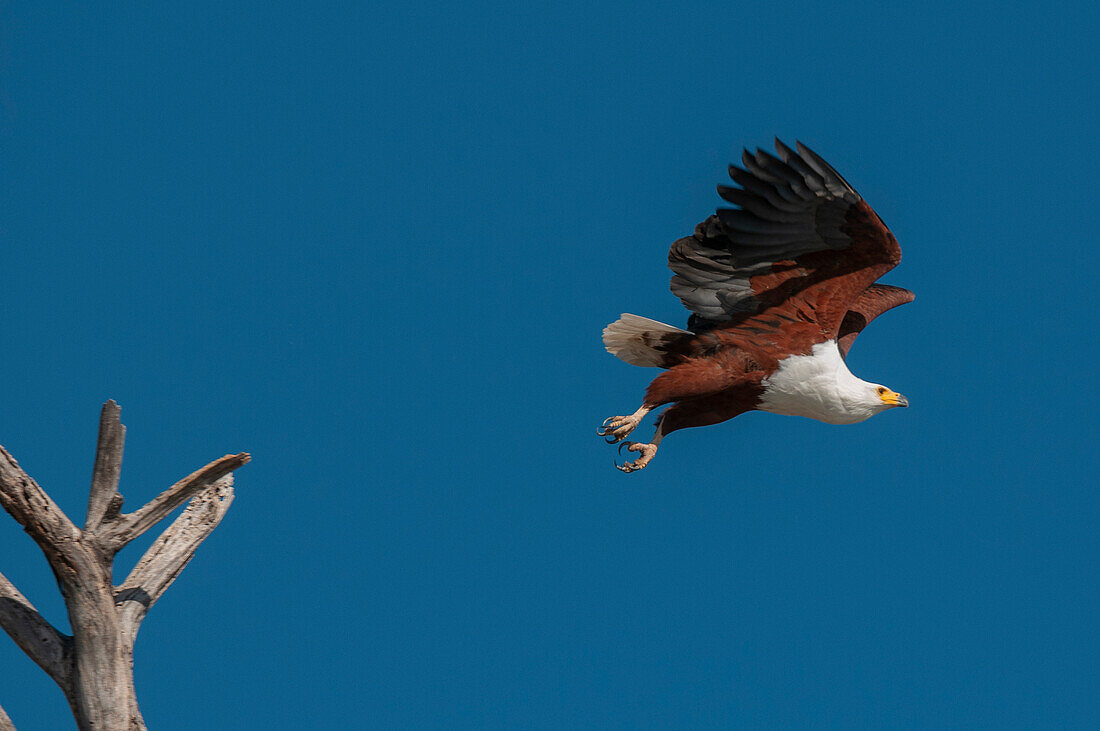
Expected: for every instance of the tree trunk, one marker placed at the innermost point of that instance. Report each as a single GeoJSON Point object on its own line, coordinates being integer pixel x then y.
{"type": "Point", "coordinates": [103, 694]}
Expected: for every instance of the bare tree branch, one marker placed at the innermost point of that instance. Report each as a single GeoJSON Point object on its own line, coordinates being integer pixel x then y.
{"type": "Point", "coordinates": [34, 635]}
{"type": "Point", "coordinates": [126, 528]}
{"type": "Point", "coordinates": [104, 500]}
{"type": "Point", "coordinates": [170, 553]}
{"type": "Point", "coordinates": [94, 667]}
{"type": "Point", "coordinates": [33, 509]}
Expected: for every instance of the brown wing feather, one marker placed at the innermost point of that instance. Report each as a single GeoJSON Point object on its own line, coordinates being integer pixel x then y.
{"type": "Point", "coordinates": [875, 300]}
{"type": "Point", "coordinates": [803, 244]}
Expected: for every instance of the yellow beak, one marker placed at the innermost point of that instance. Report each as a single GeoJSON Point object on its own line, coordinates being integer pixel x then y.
{"type": "Point", "coordinates": [895, 399]}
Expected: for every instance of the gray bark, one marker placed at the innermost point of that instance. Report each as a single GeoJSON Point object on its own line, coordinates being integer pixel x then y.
{"type": "Point", "coordinates": [94, 667]}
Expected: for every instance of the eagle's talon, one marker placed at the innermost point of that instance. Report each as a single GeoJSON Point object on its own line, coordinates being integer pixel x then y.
{"type": "Point", "coordinates": [646, 452]}
{"type": "Point", "coordinates": [617, 428]}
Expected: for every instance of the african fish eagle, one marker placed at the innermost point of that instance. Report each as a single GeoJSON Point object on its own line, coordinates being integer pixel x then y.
{"type": "Point", "coordinates": [778, 290]}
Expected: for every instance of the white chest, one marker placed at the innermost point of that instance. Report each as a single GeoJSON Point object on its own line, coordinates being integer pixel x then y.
{"type": "Point", "coordinates": [818, 386]}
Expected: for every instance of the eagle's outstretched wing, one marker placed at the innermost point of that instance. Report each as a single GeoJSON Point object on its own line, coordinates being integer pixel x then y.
{"type": "Point", "coordinates": [803, 244]}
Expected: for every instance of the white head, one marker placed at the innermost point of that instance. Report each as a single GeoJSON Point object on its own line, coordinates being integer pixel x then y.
{"type": "Point", "coordinates": [871, 398]}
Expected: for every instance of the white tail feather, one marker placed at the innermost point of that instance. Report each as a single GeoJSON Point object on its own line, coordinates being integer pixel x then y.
{"type": "Point", "coordinates": [636, 339]}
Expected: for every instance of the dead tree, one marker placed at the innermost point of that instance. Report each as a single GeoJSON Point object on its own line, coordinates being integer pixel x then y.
{"type": "Point", "coordinates": [94, 666]}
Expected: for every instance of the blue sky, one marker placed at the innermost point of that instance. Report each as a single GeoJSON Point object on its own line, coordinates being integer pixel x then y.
{"type": "Point", "coordinates": [375, 247]}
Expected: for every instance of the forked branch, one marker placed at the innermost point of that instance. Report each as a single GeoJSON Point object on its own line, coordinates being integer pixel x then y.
{"type": "Point", "coordinates": [129, 526]}
{"type": "Point", "coordinates": [170, 553]}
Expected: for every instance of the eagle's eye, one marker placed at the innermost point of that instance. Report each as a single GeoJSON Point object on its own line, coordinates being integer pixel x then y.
{"type": "Point", "coordinates": [881, 391]}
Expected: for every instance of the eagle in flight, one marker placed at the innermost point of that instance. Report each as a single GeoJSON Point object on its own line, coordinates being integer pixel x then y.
{"type": "Point", "coordinates": [778, 289]}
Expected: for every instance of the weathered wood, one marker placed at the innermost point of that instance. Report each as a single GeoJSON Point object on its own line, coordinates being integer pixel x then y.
{"type": "Point", "coordinates": [104, 500]}
{"type": "Point", "coordinates": [94, 667]}
{"type": "Point", "coordinates": [33, 509]}
{"type": "Point", "coordinates": [129, 526]}
{"type": "Point", "coordinates": [170, 553]}
{"type": "Point", "coordinates": [103, 686]}
{"type": "Point", "coordinates": [39, 639]}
